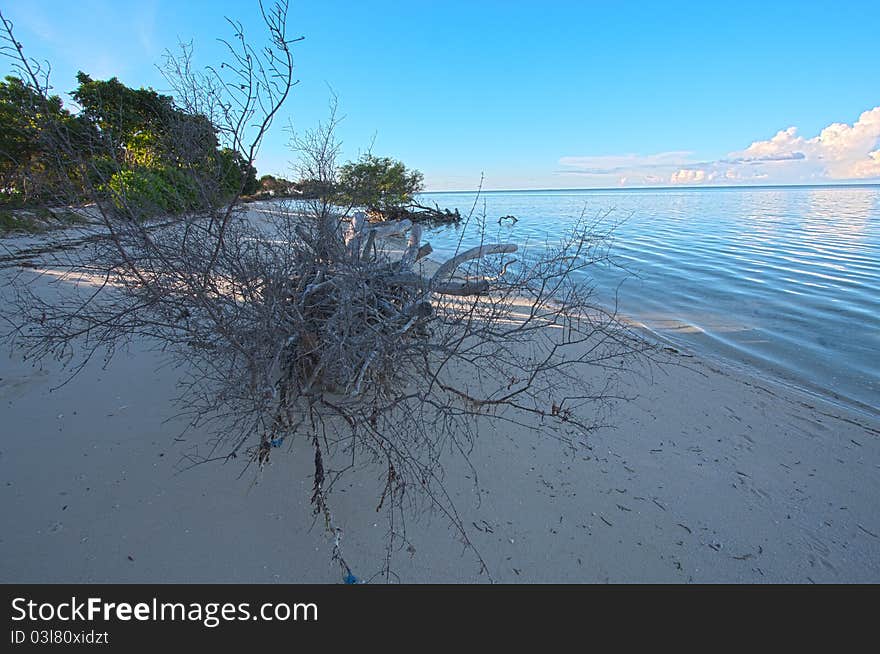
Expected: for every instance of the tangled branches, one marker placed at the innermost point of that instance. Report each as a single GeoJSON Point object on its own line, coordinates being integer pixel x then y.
{"type": "Point", "coordinates": [304, 323]}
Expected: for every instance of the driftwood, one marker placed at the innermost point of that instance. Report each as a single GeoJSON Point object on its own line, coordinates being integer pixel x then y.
{"type": "Point", "coordinates": [419, 213]}
{"type": "Point", "coordinates": [381, 304]}
{"type": "Point", "coordinates": [290, 326]}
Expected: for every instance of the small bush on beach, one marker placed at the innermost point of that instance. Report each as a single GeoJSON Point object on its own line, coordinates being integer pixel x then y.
{"type": "Point", "coordinates": [380, 184]}
{"type": "Point", "coordinates": [144, 193]}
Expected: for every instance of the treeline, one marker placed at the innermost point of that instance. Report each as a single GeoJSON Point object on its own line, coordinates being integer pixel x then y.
{"type": "Point", "coordinates": [379, 184]}
{"type": "Point", "coordinates": [136, 150]}
{"type": "Point", "coordinates": [270, 186]}
{"type": "Point", "coordinates": [126, 146]}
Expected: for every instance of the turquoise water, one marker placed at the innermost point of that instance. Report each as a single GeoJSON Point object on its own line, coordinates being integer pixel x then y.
{"type": "Point", "coordinates": [783, 280]}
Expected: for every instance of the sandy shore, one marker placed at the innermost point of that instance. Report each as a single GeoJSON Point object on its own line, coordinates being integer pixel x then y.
{"type": "Point", "coordinates": [710, 475]}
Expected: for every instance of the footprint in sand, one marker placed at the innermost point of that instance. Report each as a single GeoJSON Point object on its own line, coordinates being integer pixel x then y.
{"type": "Point", "coordinates": [747, 445]}
{"type": "Point", "coordinates": [744, 482]}
{"type": "Point", "coordinates": [820, 551]}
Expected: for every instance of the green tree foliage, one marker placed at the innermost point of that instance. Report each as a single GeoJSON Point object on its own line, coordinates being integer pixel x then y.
{"type": "Point", "coordinates": [27, 167]}
{"type": "Point", "coordinates": [277, 186]}
{"type": "Point", "coordinates": [248, 176]}
{"type": "Point", "coordinates": [133, 145]}
{"type": "Point", "coordinates": [145, 192]}
{"type": "Point", "coordinates": [121, 113]}
{"type": "Point", "coordinates": [380, 184]}
{"type": "Point", "coordinates": [233, 173]}
{"type": "Point", "coordinates": [19, 112]}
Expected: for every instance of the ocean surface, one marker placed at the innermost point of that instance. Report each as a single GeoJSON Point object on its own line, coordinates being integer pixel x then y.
{"type": "Point", "coordinates": [783, 281]}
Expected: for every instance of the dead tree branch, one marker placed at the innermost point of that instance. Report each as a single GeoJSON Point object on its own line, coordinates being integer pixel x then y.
{"type": "Point", "coordinates": [305, 324]}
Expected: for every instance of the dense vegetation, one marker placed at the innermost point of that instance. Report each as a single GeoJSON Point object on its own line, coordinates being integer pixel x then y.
{"type": "Point", "coordinates": [126, 145]}
{"type": "Point", "coordinates": [135, 149]}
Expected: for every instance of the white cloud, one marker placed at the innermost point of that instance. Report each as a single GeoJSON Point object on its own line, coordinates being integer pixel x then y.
{"type": "Point", "coordinates": [839, 152]}
{"type": "Point", "coordinates": [785, 143]}
{"type": "Point", "coordinates": [688, 176]}
{"type": "Point", "coordinates": [869, 167]}
{"type": "Point", "coordinates": [611, 164]}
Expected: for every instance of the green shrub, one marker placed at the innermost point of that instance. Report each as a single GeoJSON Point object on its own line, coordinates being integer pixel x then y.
{"type": "Point", "coordinates": [12, 197]}
{"type": "Point", "coordinates": [234, 174]}
{"type": "Point", "coordinates": [142, 192]}
{"type": "Point", "coordinates": [139, 193]}
{"type": "Point", "coordinates": [380, 184]}
{"type": "Point", "coordinates": [182, 189]}
{"type": "Point", "coordinates": [101, 169]}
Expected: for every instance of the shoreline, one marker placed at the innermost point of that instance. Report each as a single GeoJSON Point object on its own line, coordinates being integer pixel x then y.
{"type": "Point", "coordinates": [33, 245]}
{"type": "Point", "coordinates": [767, 375]}
{"type": "Point", "coordinates": [709, 475]}
{"type": "Point", "coordinates": [786, 284]}
{"type": "Point", "coordinates": [624, 189]}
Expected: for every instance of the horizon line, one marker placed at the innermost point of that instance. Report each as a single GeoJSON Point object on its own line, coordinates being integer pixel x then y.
{"type": "Point", "coordinates": [665, 188]}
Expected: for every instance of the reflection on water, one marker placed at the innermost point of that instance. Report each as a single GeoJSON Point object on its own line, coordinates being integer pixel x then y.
{"type": "Point", "coordinates": [785, 280]}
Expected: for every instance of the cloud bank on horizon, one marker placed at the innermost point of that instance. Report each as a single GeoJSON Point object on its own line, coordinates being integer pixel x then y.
{"type": "Point", "coordinates": [840, 152]}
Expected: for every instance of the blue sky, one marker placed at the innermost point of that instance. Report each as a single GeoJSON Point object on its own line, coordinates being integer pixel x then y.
{"type": "Point", "coordinates": [534, 95]}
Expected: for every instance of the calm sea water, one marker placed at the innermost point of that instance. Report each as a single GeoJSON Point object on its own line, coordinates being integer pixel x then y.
{"type": "Point", "coordinates": [783, 280]}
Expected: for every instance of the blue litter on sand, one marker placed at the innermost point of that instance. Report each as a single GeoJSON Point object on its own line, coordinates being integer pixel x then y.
{"type": "Point", "coordinates": [276, 442]}
{"type": "Point", "coordinates": [350, 578]}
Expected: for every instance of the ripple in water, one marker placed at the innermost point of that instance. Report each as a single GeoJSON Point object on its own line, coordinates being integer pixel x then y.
{"type": "Point", "coordinates": [785, 280]}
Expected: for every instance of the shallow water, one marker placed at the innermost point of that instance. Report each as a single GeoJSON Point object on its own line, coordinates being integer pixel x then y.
{"type": "Point", "coordinates": [783, 280]}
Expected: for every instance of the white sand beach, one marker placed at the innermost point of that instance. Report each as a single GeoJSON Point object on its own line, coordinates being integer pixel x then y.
{"type": "Point", "coordinates": [604, 207]}
{"type": "Point", "coordinates": [710, 475]}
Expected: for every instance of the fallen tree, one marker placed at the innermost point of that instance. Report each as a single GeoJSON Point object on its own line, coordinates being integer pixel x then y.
{"type": "Point", "coordinates": [420, 213]}
{"type": "Point", "coordinates": [308, 328]}
{"type": "Point", "coordinates": [386, 190]}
